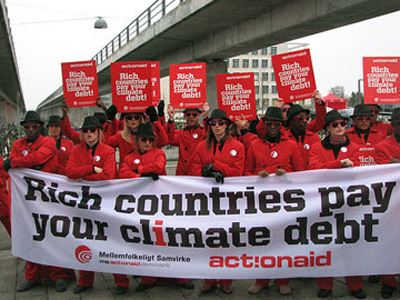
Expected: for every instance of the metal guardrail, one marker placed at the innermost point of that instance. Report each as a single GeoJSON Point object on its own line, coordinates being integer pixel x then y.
{"type": "Point", "coordinates": [151, 15]}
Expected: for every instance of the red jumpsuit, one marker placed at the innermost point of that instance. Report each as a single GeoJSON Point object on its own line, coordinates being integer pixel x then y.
{"type": "Point", "coordinates": [229, 161]}
{"type": "Point", "coordinates": [384, 128]}
{"type": "Point", "coordinates": [270, 157]}
{"type": "Point", "coordinates": [136, 164]}
{"type": "Point", "coordinates": [304, 146]}
{"type": "Point", "coordinates": [64, 147]}
{"type": "Point", "coordinates": [81, 165]}
{"type": "Point", "coordinates": [38, 155]}
{"type": "Point", "coordinates": [5, 199]}
{"type": "Point", "coordinates": [323, 158]}
{"type": "Point", "coordinates": [187, 141]}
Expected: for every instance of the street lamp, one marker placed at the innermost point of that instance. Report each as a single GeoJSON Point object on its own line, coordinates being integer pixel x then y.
{"type": "Point", "coordinates": [359, 91]}
{"type": "Point", "coordinates": [100, 23]}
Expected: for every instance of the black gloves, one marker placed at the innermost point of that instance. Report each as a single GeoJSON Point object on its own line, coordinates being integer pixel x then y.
{"type": "Point", "coordinates": [152, 113]}
{"type": "Point", "coordinates": [219, 177]}
{"type": "Point", "coordinates": [160, 108]}
{"type": "Point", "coordinates": [111, 112]}
{"type": "Point", "coordinates": [150, 174]}
{"type": "Point", "coordinates": [7, 164]}
{"type": "Point", "coordinates": [207, 171]}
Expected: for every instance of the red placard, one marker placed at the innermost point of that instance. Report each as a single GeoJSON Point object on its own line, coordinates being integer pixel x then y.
{"type": "Point", "coordinates": [131, 85]}
{"type": "Point", "coordinates": [236, 95]}
{"type": "Point", "coordinates": [80, 83]}
{"type": "Point", "coordinates": [294, 75]}
{"type": "Point", "coordinates": [155, 82]}
{"type": "Point", "coordinates": [381, 80]}
{"type": "Point", "coordinates": [187, 85]}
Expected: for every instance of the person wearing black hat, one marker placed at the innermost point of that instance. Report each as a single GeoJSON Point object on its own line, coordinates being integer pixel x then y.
{"type": "Point", "coordinates": [361, 133]}
{"type": "Point", "coordinates": [218, 156]}
{"type": "Point", "coordinates": [146, 161]}
{"type": "Point", "coordinates": [388, 151]}
{"type": "Point", "coordinates": [384, 128]}
{"type": "Point", "coordinates": [273, 153]}
{"type": "Point", "coordinates": [39, 153]}
{"type": "Point", "coordinates": [188, 138]}
{"type": "Point", "coordinates": [298, 118]}
{"type": "Point", "coordinates": [93, 160]}
{"type": "Point", "coordinates": [334, 152]}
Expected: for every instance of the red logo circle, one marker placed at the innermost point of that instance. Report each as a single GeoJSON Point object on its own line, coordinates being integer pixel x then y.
{"type": "Point", "coordinates": [83, 254]}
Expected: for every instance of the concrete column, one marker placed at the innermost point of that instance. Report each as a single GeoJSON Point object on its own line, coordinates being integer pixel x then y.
{"type": "Point", "coordinates": [213, 68]}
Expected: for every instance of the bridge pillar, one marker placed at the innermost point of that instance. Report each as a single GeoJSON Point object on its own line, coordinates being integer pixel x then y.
{"type": "Point", "coordinates": [213, 68]}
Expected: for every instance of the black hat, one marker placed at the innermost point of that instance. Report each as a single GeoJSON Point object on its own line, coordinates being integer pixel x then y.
{"type": "Point", "coordinates": [396, 114]}
{"type": "Point", "coordinates": [331, 116]}
{"type": "Point", "coordinates": [31, 116]}
{"type": "Point", "coordinates": [376, 105]}
{"type": "Point", "coordinates": [101, 116]}
{"type": "Point", "coordinates": [145, 130]}
{"type": "Point", "coordinates": [273, 113]}
{"type": "Point", "coordinates": [193, 109]}
{"type": "Point", "coordinates": [218, 114]}
{"type": "Point", "coordinates": [295, 110]}
{"type": "Point", "coordinates": [91, 122]}
{"type": "Point", "coordinates": [361, 110]}
{"type": "Point", "coordinates": [54, 120]}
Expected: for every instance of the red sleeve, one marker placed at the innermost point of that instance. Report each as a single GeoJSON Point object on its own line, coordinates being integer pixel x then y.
{"type": "Point", "coordinates": [173, 134]}
{"type": "Point", "coordinates": [109, 168]}
{"type": "Point", "coordinates": [234, 167]}
{"type": "Point", "coordinates": [157, 166]}
{"type": "Point", "coordinates": [162, 137]}
{"type": "Point", "coordinates": [261, 128]}
{"type": "Point", "coordinates": [247, 138]}
{"type": "Point", "coordinates": [46, 151]}
{"type": "Point", "coordinates": [69, 132]}
{"type": "Point", "coordinates": [382, 157]}
{"type": "Point", "coordinates": [297, 160]}
{"type": "Point", "coordinates": [75, 169]}
{"type": "Point", "coordinates": [317, 124]}
{"type": "Point", "coordinates": [316, 162]}
{"type": "Point", "coordinates": [197, 161]}
{"type": "Point", "coordinates": [250, 164]}
{"type": "Point", "coordinates": [127, 171]}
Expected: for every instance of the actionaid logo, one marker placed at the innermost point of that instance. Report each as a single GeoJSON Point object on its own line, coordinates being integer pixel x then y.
{"type": "Point", "coordinates": [83, 254]}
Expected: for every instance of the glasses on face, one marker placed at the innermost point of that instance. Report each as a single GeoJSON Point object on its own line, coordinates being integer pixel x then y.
{"type": "Point", "coordinates": [86, 130]}
{"type": "Point", "coordinates": [302, 118]}
{"type": "Point", "coordinates": [220, 123]}
{"type": "Point", "coordinates": [337, 123]}
{"type": "Point", "coordinates": [130, 117]}
{"type": "Point", "coordinates": [363, 119]}
{"type": "Point", "coordinates": [194, 115]}
{"type": "Point", "coordinates": [273, 123]}
{"type": "Point", "coordinates": [146, 140]}
{"type": "Point", "coordinates": [31, 126]}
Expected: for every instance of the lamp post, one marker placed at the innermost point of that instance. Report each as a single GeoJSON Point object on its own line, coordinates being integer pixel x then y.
{"type": "Point", "coordinates": [359, 91]}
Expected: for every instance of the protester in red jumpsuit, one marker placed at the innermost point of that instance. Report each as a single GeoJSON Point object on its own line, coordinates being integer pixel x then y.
{"type": "Point", "coordinates": [298, 118]}
{"type": "Point", "coordinates": [384, 128]}
{"type": "Point", "coordinates": [188, 138]}
{"type": "Point", "coordinates": [334, 152]}
{"type": "Point", "coordinates": [93, 160]}
{"type": "Point", "coordinates": [5, 199]}
{"type": "Point", "coordinates": [39, 153]}
{"type": "Point", "coordinates": [388, 151]}
{"type": "Point", "coordinates": [273, 153]}
{"type": "Point", "coordinates": [218, 156]}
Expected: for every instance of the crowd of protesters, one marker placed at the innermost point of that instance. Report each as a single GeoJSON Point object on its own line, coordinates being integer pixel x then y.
{"type": "Point", "coordinates": [210, 145]}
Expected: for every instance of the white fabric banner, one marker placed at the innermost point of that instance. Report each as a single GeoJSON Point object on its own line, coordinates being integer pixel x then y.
{"type": "Point", "coordinates": [305, 224]}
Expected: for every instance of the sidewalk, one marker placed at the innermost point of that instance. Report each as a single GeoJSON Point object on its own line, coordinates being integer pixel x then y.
{"type": "Point", "coordinates": [12, 273]}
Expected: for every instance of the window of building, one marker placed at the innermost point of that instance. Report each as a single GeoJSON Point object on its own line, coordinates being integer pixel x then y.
{"type": "Point", "coordinates": [235, 63]}
{"type": "Point", "coordinates": [257, 89]}
{"type": "Point", "coordinates": [254, 52]}
{"type": "Point", "coordinates": [254, 63]}
{"type": "Point", "coordinates": [256, 76]}
{"type": "Point", "coordinates": [264, 51]}
{"type": "Point", "coordinates": [274, 89]}
{"type": "Point", "coordinates": [264, 76]}
{"type": "Point", "coordinates": [265, 89]}
{"type": "Point", "coordinates": [272, 76]}
{"type": "Point", "coordinates": [264, 63]}
{"type": "Point", "coordinates": [245, 63]}
{"type": "Point", "coordinates": [274, 50]}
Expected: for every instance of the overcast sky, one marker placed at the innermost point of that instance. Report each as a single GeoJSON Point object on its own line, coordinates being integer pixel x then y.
{"type": "Point", "coordinates": [42, 47]}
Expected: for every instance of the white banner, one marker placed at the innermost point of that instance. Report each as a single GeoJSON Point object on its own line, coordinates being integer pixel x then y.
{"type": "Point", "coordinates": [305, 224]}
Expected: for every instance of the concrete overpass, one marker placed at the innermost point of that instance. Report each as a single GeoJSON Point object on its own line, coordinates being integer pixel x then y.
{"type": "Point", "coordinates": [213, 30]}
{"type": "Point", "coordinates": [12, 104]}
